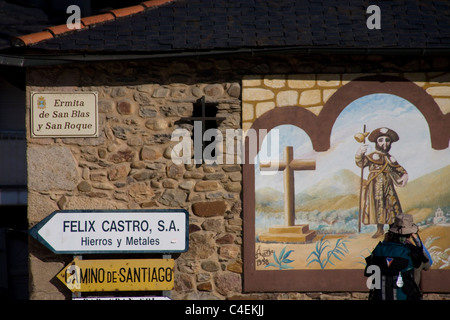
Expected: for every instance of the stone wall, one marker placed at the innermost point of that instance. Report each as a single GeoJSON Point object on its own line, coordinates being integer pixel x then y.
{"type": "Point", "coordinates": [129, 167]}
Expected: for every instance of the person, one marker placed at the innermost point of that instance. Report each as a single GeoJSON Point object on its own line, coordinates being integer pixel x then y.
{"type": "Point", "coordinates": [401, 257]}
{"type": "Point", "coordinates": [379, 201]}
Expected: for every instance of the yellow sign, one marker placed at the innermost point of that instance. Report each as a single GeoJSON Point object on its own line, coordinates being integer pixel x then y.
{"type": "Point", "coordinates": [118, 275]}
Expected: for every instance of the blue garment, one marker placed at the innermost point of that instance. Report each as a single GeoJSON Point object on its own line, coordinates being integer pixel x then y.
{"type": "Point", "coordinates": [427, 253]}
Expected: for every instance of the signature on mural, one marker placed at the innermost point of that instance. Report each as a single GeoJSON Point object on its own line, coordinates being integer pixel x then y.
{"type": "Point", "coordinates": [262, 255]}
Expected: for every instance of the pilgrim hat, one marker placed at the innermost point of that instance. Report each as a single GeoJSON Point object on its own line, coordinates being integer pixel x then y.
{"type": "Point", "coordinates": [383, 132]}
{"type": "Point", "coordinates": [403, 224]}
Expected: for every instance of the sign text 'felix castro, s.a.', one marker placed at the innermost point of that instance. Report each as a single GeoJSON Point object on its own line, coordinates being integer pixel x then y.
{"type": "Point", "coordinates": [116, 231]}
{"type": "Point", "coordinates": [64, 114]}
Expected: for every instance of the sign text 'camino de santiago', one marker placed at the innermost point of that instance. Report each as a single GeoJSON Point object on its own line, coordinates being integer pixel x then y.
{"type": "Point", "coordinates": [115, 231]}
{"type": "Point", "coordinates": [118, 275]}
{"type": "Point", "coordinates": [64, 114]}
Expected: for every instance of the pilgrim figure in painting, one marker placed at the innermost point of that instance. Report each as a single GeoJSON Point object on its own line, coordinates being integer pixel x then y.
{"type": "Point", "coordinates": [379, 202]}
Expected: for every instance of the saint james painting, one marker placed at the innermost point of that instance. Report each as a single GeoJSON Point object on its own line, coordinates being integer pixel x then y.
{"type": "Point", "coordinates": [319, 211]}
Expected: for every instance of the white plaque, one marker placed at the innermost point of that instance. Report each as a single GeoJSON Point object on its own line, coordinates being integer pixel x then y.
{"type": "Point", "coordinates": [64, 114]}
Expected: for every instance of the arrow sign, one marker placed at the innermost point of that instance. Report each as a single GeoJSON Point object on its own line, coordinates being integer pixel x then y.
{"type": "Point", "coordinates": [116, 231]}
{"type": "Point", "coordinates": [118, 275]}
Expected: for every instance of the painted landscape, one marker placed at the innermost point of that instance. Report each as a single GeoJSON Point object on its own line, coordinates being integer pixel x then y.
{"type": "Point", "coordinates": [331, 208]}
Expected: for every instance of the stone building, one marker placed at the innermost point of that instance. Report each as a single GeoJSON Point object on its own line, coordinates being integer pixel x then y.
{"type": "Point", "coordinates": [156, 64]}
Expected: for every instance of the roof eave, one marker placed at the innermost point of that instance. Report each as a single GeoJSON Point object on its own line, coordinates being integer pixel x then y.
{"type": "Point", "coordinates": [42, 59]}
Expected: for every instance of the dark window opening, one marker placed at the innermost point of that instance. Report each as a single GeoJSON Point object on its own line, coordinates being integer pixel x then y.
{"type": "Point", "coordinates": [204, 117]}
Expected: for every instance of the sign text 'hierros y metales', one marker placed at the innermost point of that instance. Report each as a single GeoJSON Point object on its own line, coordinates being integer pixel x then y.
{"type": "Point", "coordinates": [118, 275]}
{"type": "Point", "coordinates": [114, 231]}
{"type": "Point", "coordinates": [64, 114]}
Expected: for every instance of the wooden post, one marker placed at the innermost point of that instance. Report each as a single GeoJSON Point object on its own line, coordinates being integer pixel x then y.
{"type": "Point", "coordinates": [361, 184]}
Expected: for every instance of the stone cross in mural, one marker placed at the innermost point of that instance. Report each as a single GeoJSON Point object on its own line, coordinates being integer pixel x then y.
{"type": "Point", "coordinates": [288, 166]}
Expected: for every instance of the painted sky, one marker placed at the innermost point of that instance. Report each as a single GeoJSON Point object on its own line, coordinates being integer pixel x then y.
{"type": "Point", "coordinates": [413, 151]}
